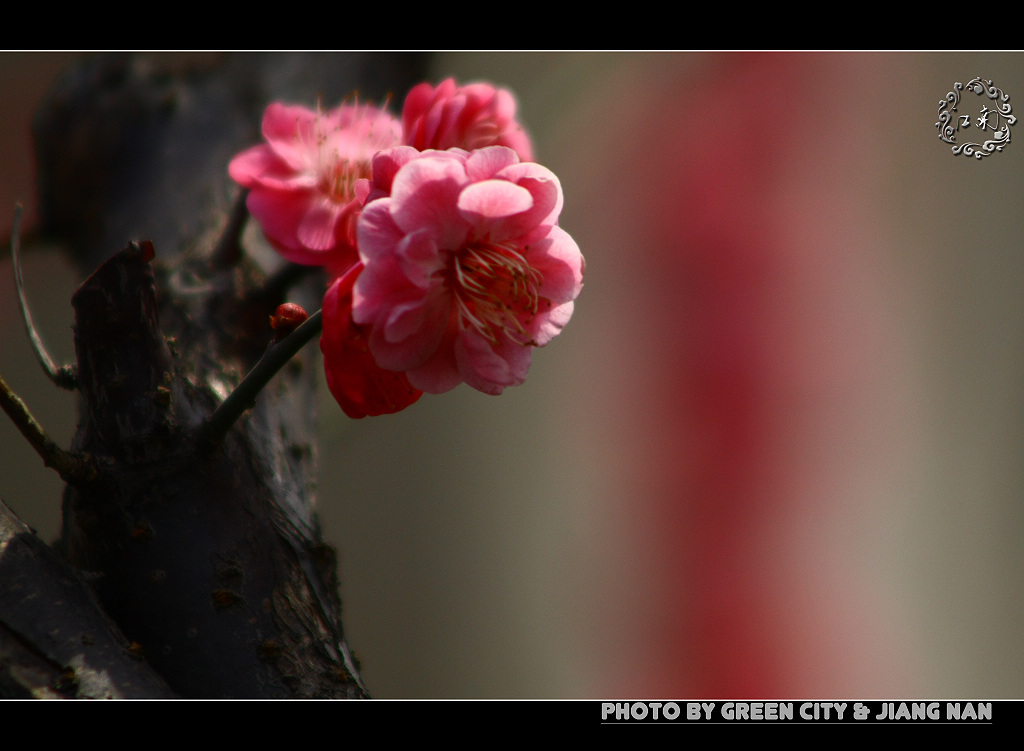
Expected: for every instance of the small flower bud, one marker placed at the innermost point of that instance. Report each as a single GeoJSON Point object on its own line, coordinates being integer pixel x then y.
{"type": "Point", "coordinates": [286, 319]}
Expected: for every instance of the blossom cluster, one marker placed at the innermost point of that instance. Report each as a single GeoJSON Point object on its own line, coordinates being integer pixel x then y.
{"type": "Point", "coordinates": [438, 232]}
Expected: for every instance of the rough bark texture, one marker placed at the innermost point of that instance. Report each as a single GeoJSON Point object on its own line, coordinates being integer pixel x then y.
{"type": "Point", "coordinates": [207, 555]}
{"type": "Point", "coordinates": [55, 639]}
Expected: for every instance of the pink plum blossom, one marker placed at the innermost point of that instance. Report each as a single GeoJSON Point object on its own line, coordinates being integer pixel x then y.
{"type": "Point", "coordinates": [466, 270]}
{"type": "Point", "coordinates": [360, 386]}
{"type": "Point", "coordinates": [465, 117]}
{"type": "Point", "coordinates": [302, 181]}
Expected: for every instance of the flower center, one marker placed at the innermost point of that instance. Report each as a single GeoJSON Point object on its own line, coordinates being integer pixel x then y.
{"type": "Point", "coordinates": [495, 291]}
{"type": "Point", "coordinates": [345, 145]}
{"type": "Point", "coordinates": [338, 176]}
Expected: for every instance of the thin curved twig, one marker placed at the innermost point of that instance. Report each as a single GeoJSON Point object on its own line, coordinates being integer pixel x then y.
{"type": "Point", "coordinates": [74, 468]}
{"type": "Point", "coordinates": [62, 375]}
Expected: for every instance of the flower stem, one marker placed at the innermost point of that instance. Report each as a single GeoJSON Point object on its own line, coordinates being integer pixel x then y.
{"type": "Point", "coordinates": [244, 396]}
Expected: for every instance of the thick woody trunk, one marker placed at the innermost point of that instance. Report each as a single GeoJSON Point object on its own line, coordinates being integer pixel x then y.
{"type": "Point", "coordinates": [206, 553]}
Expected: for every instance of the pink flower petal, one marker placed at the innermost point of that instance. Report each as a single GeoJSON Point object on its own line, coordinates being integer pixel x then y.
{"type": "Point", "coordinates": [483, 164]}
{"type": "Point", "coordinates": [424, 196]}
{"type": "Point", "coordinates": [318, 227]}
{"type": "Point", "coordinates": [468, 117]}
{"type": "Point", "coordinates": [494, 199]}
{"type": "Point", "coordinates": [291, 132]}
{"type": "Point", "coordinates": [423, 322]}
{"type": "Point", "coordinates": [360, 386]}
{"type": "Point", "coordinates": [439, 373]}
{"type": "Point", "coordinates": [558, 259]}
{"type": "Point", "coordinates": [543, 186]}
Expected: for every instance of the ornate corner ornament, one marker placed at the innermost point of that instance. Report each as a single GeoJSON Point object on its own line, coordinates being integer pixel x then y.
{"type": "Point", "coordinates": [998, 119]}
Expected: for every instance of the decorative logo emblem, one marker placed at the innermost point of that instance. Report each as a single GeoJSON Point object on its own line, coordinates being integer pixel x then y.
{"type": "Point", "coordinates": [992, 121]}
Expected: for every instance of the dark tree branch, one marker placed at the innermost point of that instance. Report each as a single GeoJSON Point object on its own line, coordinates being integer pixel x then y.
{"type": "Point", "coordinates": [209, 558]}
{"type": "Point", "coordinates": [229, 249]}
{"type": "Point", "coordinates": [55, 640]}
